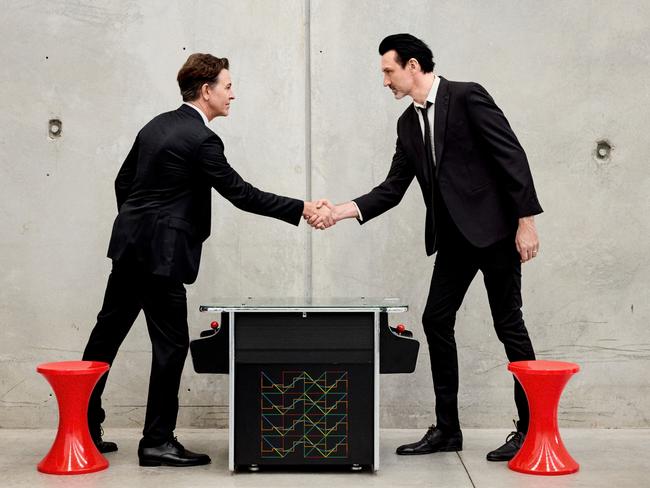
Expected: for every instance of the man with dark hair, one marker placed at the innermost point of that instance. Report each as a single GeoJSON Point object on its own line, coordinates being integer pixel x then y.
{"type": "Point", "coordinates": [480, 201]}
{"type": "Point", "coordinates": [163, 192]}
{"type": "Point", "coordinates": [406, 47]}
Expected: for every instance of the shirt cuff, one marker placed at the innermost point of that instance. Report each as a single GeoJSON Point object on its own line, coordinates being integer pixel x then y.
{"type": "Point", "coordinates": [360, 217]}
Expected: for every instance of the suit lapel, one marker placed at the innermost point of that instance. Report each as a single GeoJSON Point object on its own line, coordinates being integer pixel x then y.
{"type": "Point", "coordinates": [440, 122]}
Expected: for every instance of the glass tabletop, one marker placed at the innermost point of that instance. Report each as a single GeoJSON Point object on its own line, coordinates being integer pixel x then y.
{"type": "Point", "coordinates": [390, 304]}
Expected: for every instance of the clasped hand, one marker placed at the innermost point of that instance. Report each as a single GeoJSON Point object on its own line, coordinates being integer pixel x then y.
{"type": "Point", "coordinates": [319, 214]}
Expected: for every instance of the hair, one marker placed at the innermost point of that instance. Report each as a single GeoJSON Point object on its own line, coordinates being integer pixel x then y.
{"type": "Point", "coordinates": [407, 46]}
{"type": "Point", "coordinates": [199, 69]}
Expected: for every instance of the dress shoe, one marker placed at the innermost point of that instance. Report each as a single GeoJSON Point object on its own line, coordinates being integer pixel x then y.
{"type": "Point", "coordinates": [507, 451]}
{"type": "Point", "coordinates": [170, 453]}
{"type": "Point", "coordinates": [435, 440]}
{"type": "Point", "coordinates": [96, 433]}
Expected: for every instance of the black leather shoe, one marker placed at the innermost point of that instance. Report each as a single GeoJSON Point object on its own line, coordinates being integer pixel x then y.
{"type": "Point", "coordinates": [170, 453]}
{"type": "Point", "coordinates": [96, 432]}
{"type": "Point", "coordinates": [435, 440]}
{"type": "Point", "coordinates": [507, 451]}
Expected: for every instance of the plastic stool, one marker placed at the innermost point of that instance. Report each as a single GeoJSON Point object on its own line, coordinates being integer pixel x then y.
{"type": "Point", "coordinates": [73, 450]}
{"type": "Point", "coordinates": [543, 451]}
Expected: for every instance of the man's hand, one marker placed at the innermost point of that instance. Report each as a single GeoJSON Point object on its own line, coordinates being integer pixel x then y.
{"type": "Point", "coordinates": [341, 211]}
{"type": "Point", "coordinates": [526, 239]}
{"type": "Point", "coordinates": [308, 209]}
{"type": "Point", "coordinates": [319, 214]}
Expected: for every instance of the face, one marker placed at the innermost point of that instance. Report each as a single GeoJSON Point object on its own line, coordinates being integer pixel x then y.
{"type": "Point", "coordinates": [398, 79]}
{"type": "Point", "coordinates": [219, 95]}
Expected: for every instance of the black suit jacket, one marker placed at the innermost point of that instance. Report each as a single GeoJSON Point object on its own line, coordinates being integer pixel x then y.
{"type": "Point", "coordinates": [163, 192]}
{"type": "Point", "coordinates": [482, 170]}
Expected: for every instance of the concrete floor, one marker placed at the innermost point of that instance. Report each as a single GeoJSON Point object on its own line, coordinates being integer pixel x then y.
{"type": "Point", "coordinates": [607, 458]}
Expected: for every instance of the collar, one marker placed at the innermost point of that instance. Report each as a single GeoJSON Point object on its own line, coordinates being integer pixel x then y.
{"type": "Point", "coordinates": [205, 119]}
{"type": "Point", "coordinates": [431, 97]}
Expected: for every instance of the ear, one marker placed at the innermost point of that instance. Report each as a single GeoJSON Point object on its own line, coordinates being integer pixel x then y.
{"type": "Point", "coordinates": [204, 91]}
{"type": "Point", "coordinates": [413, 64]}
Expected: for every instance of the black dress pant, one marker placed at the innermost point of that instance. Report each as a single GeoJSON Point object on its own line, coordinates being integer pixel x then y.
{"type": "Point", "coordinates": [129, 290]}
{"type": "Point", "coordinates": [457, 263]}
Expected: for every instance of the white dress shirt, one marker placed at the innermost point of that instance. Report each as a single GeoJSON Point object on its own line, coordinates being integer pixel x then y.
{"type": "Point", "coordinates": [431, 97]}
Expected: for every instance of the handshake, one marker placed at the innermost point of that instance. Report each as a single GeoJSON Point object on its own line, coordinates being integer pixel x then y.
{"type": "Point", "coordinates": [321, 214]}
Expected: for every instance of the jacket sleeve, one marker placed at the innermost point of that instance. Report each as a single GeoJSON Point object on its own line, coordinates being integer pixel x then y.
{"type": "Point", "coordinates": [495, 132]}
{"type": "Point", "coordinates": [391, 191]}
{"type": "Point", "coordinates": [223, 178]}
{"type": "Point", "coordinates": [126, 175]}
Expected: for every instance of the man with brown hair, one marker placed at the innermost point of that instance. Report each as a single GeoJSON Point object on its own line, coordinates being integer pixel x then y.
{"type": "Point", "coordinates": [163, 192]}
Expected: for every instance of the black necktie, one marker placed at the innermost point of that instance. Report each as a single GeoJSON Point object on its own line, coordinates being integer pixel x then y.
{"type": "Point", "coordinates": [428, 149]}
{"type": "Point", "coordinates": [427, 137]}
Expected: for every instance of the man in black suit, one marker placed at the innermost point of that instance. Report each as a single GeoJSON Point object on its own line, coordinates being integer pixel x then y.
{"type": "Point", "coordinates": [163, 192]}
{"type": "Point", "coordinates": [480, 201]}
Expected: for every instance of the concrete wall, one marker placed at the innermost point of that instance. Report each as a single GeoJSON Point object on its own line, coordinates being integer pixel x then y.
{"type": "Point", "coordinates": [312, 117]}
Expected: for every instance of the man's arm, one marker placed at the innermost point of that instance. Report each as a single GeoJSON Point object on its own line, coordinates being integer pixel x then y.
{"type": "Point", "coordinates": [223, 178]}
{"type": "Point", "coordinates": [504, 148]}
{"type": "Point", "coordinates": [495, 131]}
{"type": "Point", "coordinates": [388, 193]}
{"type": "Point", "coordinates": [380, 199]}
{"type": "Point", "coordinates": [346, 210]}
{"type": "Point", "coordinates": [126, 175]}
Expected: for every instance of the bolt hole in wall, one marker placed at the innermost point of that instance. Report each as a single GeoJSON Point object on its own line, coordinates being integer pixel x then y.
{"type": "Point", "coordinates": [603, 150]}
{"type": "Point", "coordinates": [55, 127]}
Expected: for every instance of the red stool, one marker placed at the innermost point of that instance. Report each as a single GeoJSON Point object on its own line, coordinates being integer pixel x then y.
{"type": "Point", "coordinates": [73, 451]}
{"type": "Point", "coordinates": [543, 451]}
